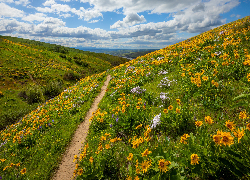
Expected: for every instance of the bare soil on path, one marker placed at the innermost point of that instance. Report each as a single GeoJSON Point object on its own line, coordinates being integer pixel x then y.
{"type": "Point", "coordinates": [67, 166]}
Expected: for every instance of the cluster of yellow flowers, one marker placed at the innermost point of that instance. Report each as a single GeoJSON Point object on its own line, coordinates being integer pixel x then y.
{"type": "Point", "coordinates": [184, 138]}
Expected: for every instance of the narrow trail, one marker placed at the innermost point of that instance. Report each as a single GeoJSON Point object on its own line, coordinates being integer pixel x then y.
{"type": "Point", "coordinates": [67, 166]}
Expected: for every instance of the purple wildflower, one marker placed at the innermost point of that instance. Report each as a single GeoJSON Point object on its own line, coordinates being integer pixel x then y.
{"type": "Point", "coordinates": [137, 90]}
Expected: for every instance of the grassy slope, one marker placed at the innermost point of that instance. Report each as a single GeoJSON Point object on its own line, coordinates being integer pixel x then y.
{"type": "Point", "coordinates": [24, 63]}
{"type": "Point", "coordinates": [122, 123]}
{"type": "Point", "coordinates": [203, 80]}
{"type": "Point", "coordinates": [35, 144]}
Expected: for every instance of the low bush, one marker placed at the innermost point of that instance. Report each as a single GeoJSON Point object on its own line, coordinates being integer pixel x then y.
{"type": "Point", "coordinates": [35, 94]}
{"type": "Point", "coordinates": [54, 88]}
{"type": "Point", "coordinates": [71, 76]}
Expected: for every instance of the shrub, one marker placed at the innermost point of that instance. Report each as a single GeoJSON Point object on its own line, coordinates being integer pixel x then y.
{"type": "Point", "coordinates": [71, 76]}
{"type": "Point", "coordinates": [35, 94]}
{"type": "Point", "coordinates": [54, 88]}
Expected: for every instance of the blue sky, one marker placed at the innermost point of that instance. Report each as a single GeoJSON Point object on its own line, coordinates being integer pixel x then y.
{"type": "Point", "coordinates": [129, 24]}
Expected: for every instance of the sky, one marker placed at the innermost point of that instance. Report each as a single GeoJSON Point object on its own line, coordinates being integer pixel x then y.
{"type": "Point", "coordinates": [116, 24]}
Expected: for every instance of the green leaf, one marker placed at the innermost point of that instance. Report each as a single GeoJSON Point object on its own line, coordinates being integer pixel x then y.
{"type": "Point", "coordinates": [177, 177]}
{"type": "Point", "coordinates": [234, 154]}
{"type": "Point", "coordinates": [130, 169]}
{"type": "Point", "coordinates": [242, 96]}
{"type": "Point", "coordinates": [230, 166]}
{"type": "Point", "coordinates": [245, 103]}
{"type": "Point", "coordinates": [156, 177]}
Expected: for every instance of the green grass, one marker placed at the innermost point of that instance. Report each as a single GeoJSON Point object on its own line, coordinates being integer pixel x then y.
{"type": "Point", "coordinates": [208, 86]}
{"type": "Point", "coordinates": [38, 141]}
{"type": "Point", "coordinates": [28, 66]}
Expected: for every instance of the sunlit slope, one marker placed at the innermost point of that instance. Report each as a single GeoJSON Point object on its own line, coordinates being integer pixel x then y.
{"type": "Point", "coordinates": [32, 148]}
{"type": "Point", "coordinates": [31, 72]}
{"type": "Point", "coordinates": [181, 113]}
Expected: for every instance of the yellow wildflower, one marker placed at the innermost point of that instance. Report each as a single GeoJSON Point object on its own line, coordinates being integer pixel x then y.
{"type": "Point", "coordinates": [204, 78]}
{"type": "Point", "coordinates": [130, 157]}
{"type": "Point", "coordinates": [145, 165]}
{"type": "Point", "coordinates": [165, 111]}
{"type": "Point", "coordinates": [184, 138]}
{"type": "Point", "coordinates": [194, 159]}
{"type": "Point", "coordinates": [80, 171]}
{"type": "Point", "coordinates": [163, 165]}
{"type": "Point", "coordinates": [226, 138]}
{"type": "Point", "coordinates": [170, 107]}
{"type": "Point", "coordinates": [209, 120]}
{"type": "Point", "coordinates": [230, 125]}
{"type": "Point", "coordinates": [243, 115]}
{"type": "Point", "coordinates": [248, 126]}
{"type": "Point", "coordinates": [146, 153]}
{"type": "Point", "coordinates": [239, 134]}
{"type": "Point", "coordinates": [91, 159]}
{"type": "Point", "coordinates": [178, 101]}
{"type": "Point", "coordinates": [23, 171]}
{"type": "Point", "coordinates": [198, 123]}
{"type": "Point", "coordinates": [137, 127]}
{"type": "Point", "coordinates": [107, 146]}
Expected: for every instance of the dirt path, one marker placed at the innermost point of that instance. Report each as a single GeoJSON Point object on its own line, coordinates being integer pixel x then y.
{"type": "Point", "coordinates": [67, 166]}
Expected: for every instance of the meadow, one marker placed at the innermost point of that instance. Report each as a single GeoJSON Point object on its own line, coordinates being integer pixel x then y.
{"type": "Point", "coordinates": [181, 112]}
{"type": "Point", "coordinates": [32, 72]}
{"type": "Point", "coordinates": [178, 113]}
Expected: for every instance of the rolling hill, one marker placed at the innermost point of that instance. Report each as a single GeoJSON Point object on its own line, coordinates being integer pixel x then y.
{"type": "Point", "coordinates": [181, 112]}
{"type": "Point", "coordinates": [31, 72]}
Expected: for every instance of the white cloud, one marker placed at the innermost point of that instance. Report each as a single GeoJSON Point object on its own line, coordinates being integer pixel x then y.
{"type": "Point", "coordinates": [136, 6]}
{"type": "Point", "coordinates": [192, 16]}
{"type": "Point", "coordinates": [129, 20]}
{"type": "Point", "coordinates": [35, 17]}
{"type": "Point", "coordinates": [65, 0]}
{"type": "Point", "coordinates": [12, 25]}
{"type": "Point", "coordinates": [94, 21]}
{"type": "Point", "coordinates": [7, 11]}
{"type": "Point", "coordinates": [65, 15]}
{"type": "Point", "coordinates": [52, 7]}
{"type": "Point", "coordinates": [57, 8]}
{"type": "Point", "coordinates": [44, 10]}
{"type": "Point", "coordinates": [49, 3]}
{"type": "Point", "coordinates": [22, 2]}
{"type": "Point", "coordinates": [86, 14]}
{"type": "Point", "coordinates": [7, 1]}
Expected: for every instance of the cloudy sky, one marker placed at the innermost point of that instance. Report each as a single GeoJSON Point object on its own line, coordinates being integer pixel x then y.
{"type": "Point", "coordinates": [128, 24]}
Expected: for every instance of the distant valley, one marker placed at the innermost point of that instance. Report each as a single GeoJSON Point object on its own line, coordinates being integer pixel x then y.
{"type": "Point", "coordinates": [125, 53]}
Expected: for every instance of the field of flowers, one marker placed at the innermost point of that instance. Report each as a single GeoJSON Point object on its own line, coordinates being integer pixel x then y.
{"type": "Point", "coordinates": [31, 72]}
{"type": "Point", "coordinates": [32, 148]}
{"type": "Point", "coordinates": [181, 113]}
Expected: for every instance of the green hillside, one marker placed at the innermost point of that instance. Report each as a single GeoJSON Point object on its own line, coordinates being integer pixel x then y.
{"type": "Point", "coordinates": [32, 72]}
{"type": "Point", "coordinates": [178, 113]}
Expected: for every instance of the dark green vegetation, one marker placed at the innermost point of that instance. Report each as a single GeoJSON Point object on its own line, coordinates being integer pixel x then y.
{"type": "Point", "coordinates": [32, 72]}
